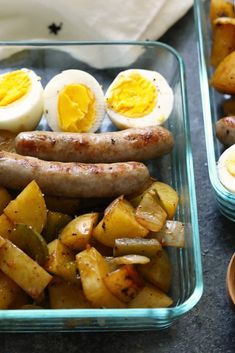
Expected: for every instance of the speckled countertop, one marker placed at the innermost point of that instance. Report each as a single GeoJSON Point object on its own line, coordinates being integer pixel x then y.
{"type": "Point", "coordinates": [210, 326]}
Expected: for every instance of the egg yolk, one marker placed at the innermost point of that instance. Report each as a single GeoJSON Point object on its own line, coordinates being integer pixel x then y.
{"type": "Point", "coordinates": [76, 108]}
{"type": "Point", "coordinates": [133, 96]}
{"type": "Point", "coordinates": [13, 86]}
{"type": "Point", "coordinates": [230, 165]}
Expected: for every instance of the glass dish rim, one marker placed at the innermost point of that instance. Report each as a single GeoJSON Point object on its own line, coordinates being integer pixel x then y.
{"type": "Point", "coordinates": [156, 313]}
{"type": "Point", "coordinates": [206, 108]}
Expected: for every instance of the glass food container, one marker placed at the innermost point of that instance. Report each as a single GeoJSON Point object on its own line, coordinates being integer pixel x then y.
{"type": "Point", "coordinates": [48, 59]}
{"type": "Point", "coordinates": [211, 103]}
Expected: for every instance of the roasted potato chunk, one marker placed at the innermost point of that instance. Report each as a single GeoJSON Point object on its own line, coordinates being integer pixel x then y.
{"type": "Point", "coordinates": [28, 208]}
{"type": "Point", "coordinates": [61, 261]}
{"type": "Point", "coordinates": [150, 297]}
{"type": "Point", "coordinates": [223, 39]}
{"type": "Point", "coordinates": [66, 295]}
{"type": "Point", "coordinates": [77, 234]}
{"type": "Point", "coordinates": [223, 79]}
{"type": "Point", "coordinates": [158, 271]}
{"type": "Point", "coordinates": [9, 291]}
{"type": "Point", "coordinates": [93, 268]}
{"type": "Point", "coordinates": [6, 226]}
{"type": "Point", "coordinates": [119, 221]}
{"type": "Point", "coordinates": [149, 213]}
{"type": "Point", "coordinates": [124, 283]}
{"type": "Point", "coordinates": [221, 8]}
{"type": "Point", "coordinates": [31, 277]}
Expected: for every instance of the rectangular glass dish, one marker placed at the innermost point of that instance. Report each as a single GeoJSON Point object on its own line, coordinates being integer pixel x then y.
{"type": "Point", "coordinates": [47, 60]}
{"type": "Point", "coordinates": [211, 103]}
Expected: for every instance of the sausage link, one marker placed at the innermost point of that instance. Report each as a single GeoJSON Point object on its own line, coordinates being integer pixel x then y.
{"type": "Point", "coordinates": [72, 179]}
{"type": "Point", "coordinates": [136, 144]}
{"type": "Point", "coordinates": [225, 130]}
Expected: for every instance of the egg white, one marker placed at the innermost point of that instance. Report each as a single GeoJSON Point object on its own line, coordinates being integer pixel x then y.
{"type": "Point", "coordinates": [225, 177]}
{"type": "Point", "coordinates": [161, 111]}
{"type": "Point", "coordinates": [25, 113]}
{"type": "Point", "coordinates": [68, 77]}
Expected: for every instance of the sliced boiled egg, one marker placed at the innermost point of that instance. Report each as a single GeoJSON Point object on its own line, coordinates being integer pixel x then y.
{"type": "Point", "coordinates": [21, 100]}
{"type": "Point", "coordinates": [74, 102]}
{"type": "Point", "coordinates": [226, 168]}
{"type": "Point", "coordinates": [138, 98]}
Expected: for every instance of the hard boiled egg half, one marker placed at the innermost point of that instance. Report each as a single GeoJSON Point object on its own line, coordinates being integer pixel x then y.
{"type": "Point", "coordinates": [74, 102]}
{"type": "Point", "coordinates": [226, 168]}
{"type": "Point", "coordinates": [138, 98]}
{"type": "Point", "coordinates": [21, 100]}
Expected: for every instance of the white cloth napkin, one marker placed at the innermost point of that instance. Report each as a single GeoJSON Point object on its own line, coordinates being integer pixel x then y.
{"type": "Point", "coordinates": [88, 20]}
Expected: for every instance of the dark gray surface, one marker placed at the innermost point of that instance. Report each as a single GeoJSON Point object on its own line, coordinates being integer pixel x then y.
{"type": "Point", "coordinates": [208, 328]}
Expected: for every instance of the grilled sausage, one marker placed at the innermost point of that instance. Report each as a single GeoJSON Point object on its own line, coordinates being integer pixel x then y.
{"type": "Point", "coordinates": [72, 179]}
{"type": "Point", "coordinates": [225, 130]}
{"type": "Point", "coordinates": [136, 144]}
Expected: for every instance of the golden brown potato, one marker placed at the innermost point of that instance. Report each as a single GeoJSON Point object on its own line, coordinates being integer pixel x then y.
{"type": "Point", "coordinates": [93, 268]}
{"type": "Point", "coordinates": [158, 271]}
{"type": "Point", "coordinates": [149, 213]}
{"type": "Point", "coordinates": [5, 198]}
{"type": "Point", "coordinates": [31, 198]}
{"type": "Point", "coordinates": [66, 295]}
{"type": "Point", "coordinates": [31, 277]}
{"type": "Point", "coordinates": [223, 39]}
{"type": "Point", "coordinates": [77, 233]}
{"type": "Point", "coordinates": [119, 221]}
{"type": "Point", "coordinates": [9, 291]}
{"type": "Point", "coordinates": [61, 261]}
{"type": "Point", "coordinates": [124, 283]}
{"type": "Point", "coordinates": [223, 79]}
{"type": "Point", "coordinates": [150, 297]}
{"type": "Point", "coordinates": [221, 8]}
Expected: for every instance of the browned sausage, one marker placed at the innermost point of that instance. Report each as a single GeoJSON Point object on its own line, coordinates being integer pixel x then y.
{"type": "Point", "coordinates": [225, 130]}
{"type": "Point", "coordinates": [128, 145]}
{"type": "Point", "coordinates": [72, 179]}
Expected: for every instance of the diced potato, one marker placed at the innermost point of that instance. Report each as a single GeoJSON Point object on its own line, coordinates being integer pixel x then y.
{"type": "Point", "coordinates": [149, 213]}
{"type": "Point", "coordinates": [150, 297]}
{"type": "Point", "coordinates": [30, 241]}
{"type": "Point", "coordinates": [61, 261]}
{"type": "Point", "coordinates": [62, 204]}
{"type": "Point", "coordinates": [171, 235]}
{"type": "Point", "coordinates": [140, 246]}
{"type": "Point", "coordinates": [124, 283]}
{"type": "Point", "coordinates": [93, 268]}
{"type": "Point", "coordinates": [158, 271]}
{"type": "Point", "coordinates": [223, 79]}
{"type": "Point", "coordinates": [5, 198]}
{"type": "Point", "coordinates": [77, 234]}
{"type": "Point", "coordinates": [66, 295]}
{"type": "Point", "coordinates": [223, 39]}
{"type": "Point", "coordinates": [28, 208]}
{"type": "Point", "coordinates": [9, 291]}
{"type": "Point", "coordinates": [119, 221]}
{"type": "Point", "coordinates": [168, 197]}
{"type": "Point", "coordinates": [55, 222]}
{"type": "Point", "coordinates": [221, 8]}
{"type": "Point", "coordinates": [6, 226]}
{"type": "Point", "coordinates": [31, 277]}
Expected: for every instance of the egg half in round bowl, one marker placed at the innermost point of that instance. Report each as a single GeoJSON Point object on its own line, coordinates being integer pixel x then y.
{"type": "Point", "coordinates": [21, 100]}
{"type": "Point", "coordinates": [74, 102]}
{"type": "Point", "coordinates": [139, 98]}
{"type": "Point", "coordinates": [226, 168]}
